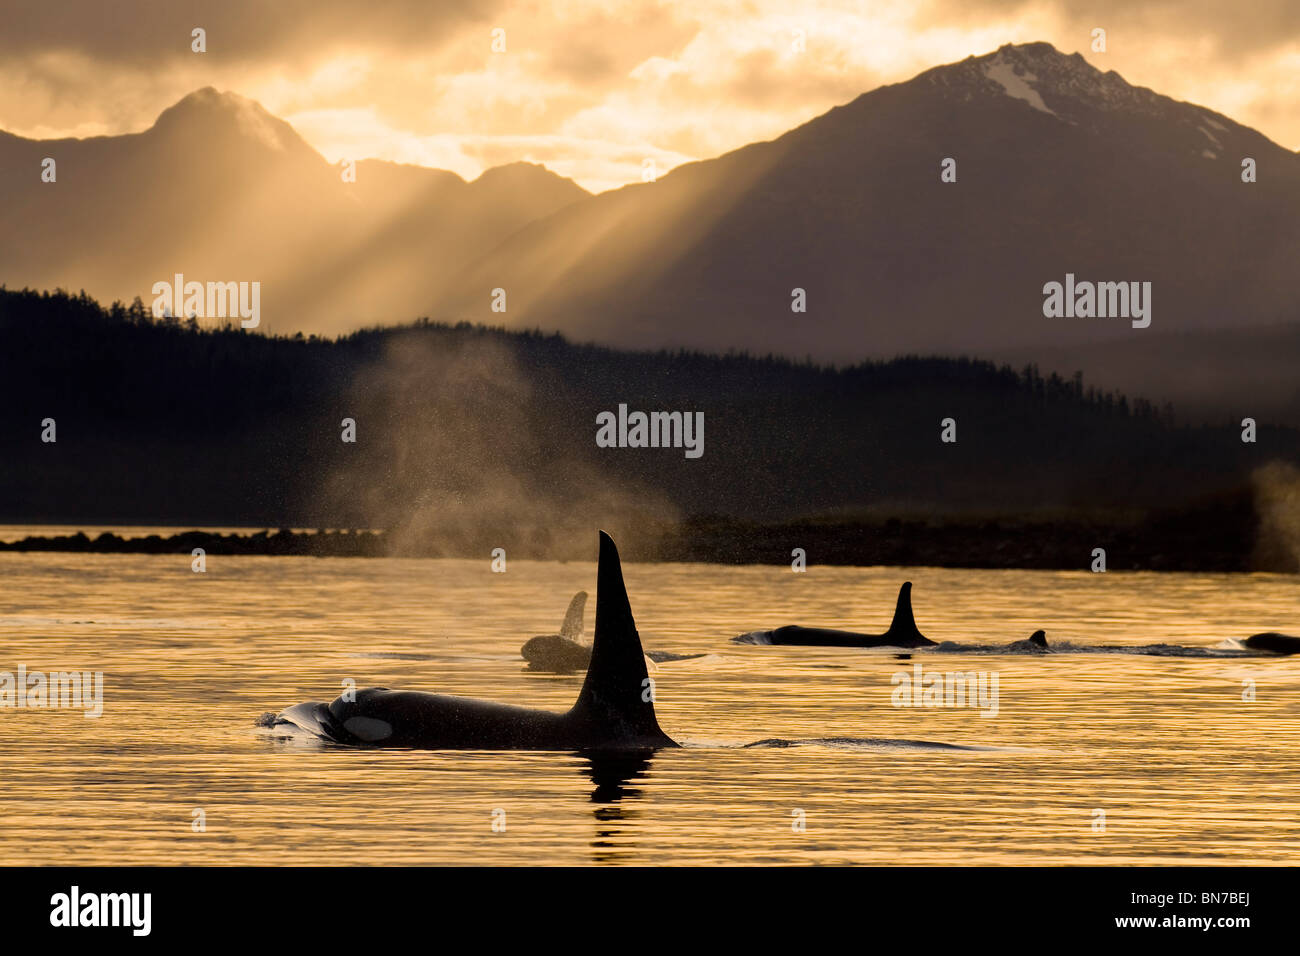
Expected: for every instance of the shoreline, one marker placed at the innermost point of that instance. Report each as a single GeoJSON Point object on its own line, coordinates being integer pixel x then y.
{"type": "Point", "coordinates": [1188, 542]}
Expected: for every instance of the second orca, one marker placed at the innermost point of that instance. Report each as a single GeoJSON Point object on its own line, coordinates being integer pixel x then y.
{"type": "Point", "coordinates": [564, 653]}
{"type": "Point", "coordinates": [902, 631]}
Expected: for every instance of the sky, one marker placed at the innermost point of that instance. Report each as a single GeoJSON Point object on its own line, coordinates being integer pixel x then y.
{"type": "Point", "coordinates": [601, 91]}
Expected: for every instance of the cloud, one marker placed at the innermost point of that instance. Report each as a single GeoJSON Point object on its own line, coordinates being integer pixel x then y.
{"type": "Point", "coordinates": [158, 32]}
{"type": "Point", "coordinates": [1216, 30]}
{"type": "Point", "coordinates": [612, 82]}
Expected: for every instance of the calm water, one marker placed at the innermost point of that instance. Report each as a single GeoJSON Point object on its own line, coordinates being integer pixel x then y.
{"type": "Point", "coordinates": [1185, 771]}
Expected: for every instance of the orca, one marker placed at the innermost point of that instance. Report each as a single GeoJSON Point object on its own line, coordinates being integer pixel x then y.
{"type": "Point", "coordinates": [902, 631]}
{"type": "Point", "coordinates": [1271, 642]}
{"type": "Point", "coordinates": [1035, 643]}
{"type": "Point", "coordinates": [562, 652]}
{"type": "Point", "coordinates": [565, 653]}
{"type": "Point", "coordinates": [614, 711]}
{"type": "Point", "coordinates": [1274, 642]}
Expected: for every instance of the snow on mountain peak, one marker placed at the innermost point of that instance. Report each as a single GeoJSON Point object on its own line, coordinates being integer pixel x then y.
{"type": "Point", "coordinates": [1069, 88]}
{"type": "Point", "coordinates": [1015, 80]}
{"type": "Point", "coordinates": [1044, 78]}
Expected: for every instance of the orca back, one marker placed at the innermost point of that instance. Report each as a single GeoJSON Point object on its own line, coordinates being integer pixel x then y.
{"type": "Point", "coordinates": [1273, 642]}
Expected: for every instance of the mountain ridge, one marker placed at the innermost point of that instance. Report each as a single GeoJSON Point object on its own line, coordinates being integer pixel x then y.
{"type": "Point", "coordinates": [849, 206]}
{"type": "Point", "coordinates": [220, 189]}
{"type": "Point", "coordinates": [1060, 168]}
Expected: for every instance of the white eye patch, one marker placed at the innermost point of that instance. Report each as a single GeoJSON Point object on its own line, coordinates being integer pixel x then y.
{"type": "Point", "coordinates": [368, 729]}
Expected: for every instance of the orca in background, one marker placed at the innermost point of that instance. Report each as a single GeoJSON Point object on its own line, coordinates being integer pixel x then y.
{"type": "Point", "coordinates": [614, 711]}
{"type": "Point", "coordinates": [1273, 642]}
{"type": "Point", "coordinates": [902, 631]}
{"type": "Point", "coordinates": [1035, 643]}
{"type": "Point", "coordinates": [561, 652]}
{"type": "Point", "coordinates": [565, 653]}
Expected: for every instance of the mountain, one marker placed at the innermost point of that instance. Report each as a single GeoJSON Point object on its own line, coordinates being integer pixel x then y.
{"type": "Point", "coordinates": [221, 190]}
{"type": "Point", "coordinates": [1061, 168]}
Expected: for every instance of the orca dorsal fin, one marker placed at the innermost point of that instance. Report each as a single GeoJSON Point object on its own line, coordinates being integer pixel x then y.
{"type": "Point", "coordinates": [572, 627]}
{"type": "Point", "coordinates": [616, 700]}
{"type": "Point", "coordinates": [903, 624]}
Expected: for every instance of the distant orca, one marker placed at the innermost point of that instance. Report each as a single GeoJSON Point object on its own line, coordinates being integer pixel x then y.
{"type": "Point", "coordinates": [902, 631]}
{"type": "Point", "coordinates": [1036, 642]}
{"type": "Point", "coordinates": [1271, 641]}
{"type": "Point", "coordinates": [565, 653]}
{"type": "Point", "coordinates": [1274, 642]}
{"type": "Point", "coordinates": [613, 711]}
